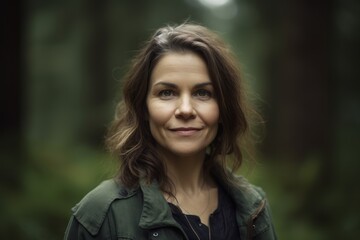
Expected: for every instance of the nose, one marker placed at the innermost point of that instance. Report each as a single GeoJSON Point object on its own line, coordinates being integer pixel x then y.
{"type": "Point", "coordinates": [185, 108]}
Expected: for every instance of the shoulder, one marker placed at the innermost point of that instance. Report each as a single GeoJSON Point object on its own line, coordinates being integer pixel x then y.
{"type": "Point", "coordinates": [247, 197]}
{"type": "Point", "coordinates": [238, 186]}
{"type": "Point", "coordinates": [92, 210]}
{"type": "Point", "coordinates": [254, 209]}
{"type": "Point", "coordinates": [242, 190]}
{"type": "Point", "coordinates": [250, 188]}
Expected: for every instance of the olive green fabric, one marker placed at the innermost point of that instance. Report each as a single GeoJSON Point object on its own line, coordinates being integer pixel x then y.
{"type": "Point", "coordinates": [111, 211]}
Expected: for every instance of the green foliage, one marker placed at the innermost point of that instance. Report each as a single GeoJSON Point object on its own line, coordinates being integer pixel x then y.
{"type": "Point", "coordinates": [52, 183]}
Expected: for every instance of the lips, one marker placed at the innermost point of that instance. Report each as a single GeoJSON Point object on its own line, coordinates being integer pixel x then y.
{"type": "Point", "coordinates": [185, 131]}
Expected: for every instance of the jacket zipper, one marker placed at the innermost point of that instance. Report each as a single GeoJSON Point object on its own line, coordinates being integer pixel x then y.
{"type": "Point", "coordinates": [250, 226]}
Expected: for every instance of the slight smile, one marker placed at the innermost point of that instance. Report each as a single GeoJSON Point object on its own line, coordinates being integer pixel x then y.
{"type": "Point", "coordinates": [185, 131]}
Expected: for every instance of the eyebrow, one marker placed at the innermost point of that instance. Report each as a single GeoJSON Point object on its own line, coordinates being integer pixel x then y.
{"type": "Point", "coordinates": [172, 85]}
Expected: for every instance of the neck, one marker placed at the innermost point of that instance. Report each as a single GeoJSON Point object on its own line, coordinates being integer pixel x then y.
{"type": "Point", "coordinates": [186, 172]}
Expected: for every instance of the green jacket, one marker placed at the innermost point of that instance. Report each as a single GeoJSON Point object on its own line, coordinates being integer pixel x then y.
{"type": "Point", "coordinates": [111, 211]}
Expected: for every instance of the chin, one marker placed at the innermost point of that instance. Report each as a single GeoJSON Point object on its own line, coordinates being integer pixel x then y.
{"type": "Point", "coordinates": [188, 152]}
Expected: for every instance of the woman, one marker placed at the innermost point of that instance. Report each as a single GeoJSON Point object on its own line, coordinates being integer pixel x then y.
{"type": "Point", "coordinates": [182, 116]}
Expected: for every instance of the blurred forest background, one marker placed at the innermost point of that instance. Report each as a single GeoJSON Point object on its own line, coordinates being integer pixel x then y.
{"type": "Point", "coordinates": [61, 65]}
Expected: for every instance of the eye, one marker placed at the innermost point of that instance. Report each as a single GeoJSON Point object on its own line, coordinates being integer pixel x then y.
{"type": "Point", "coordinates": [203, 94]}
{"type": "Point", "coordinates": [166, 94]}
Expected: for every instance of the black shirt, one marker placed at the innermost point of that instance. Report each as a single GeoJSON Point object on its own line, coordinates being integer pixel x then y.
{"type": "Point", "coordinates": [222, 222]}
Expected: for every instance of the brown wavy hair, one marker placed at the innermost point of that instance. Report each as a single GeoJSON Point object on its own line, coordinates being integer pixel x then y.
{"type": "Point", "coordinates": [129, 136]}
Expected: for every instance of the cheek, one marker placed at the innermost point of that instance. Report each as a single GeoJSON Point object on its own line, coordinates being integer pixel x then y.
{"type": "Point", "coordinates": [214, 116]}
{"type": "Point", "coordinates": [211, 114]}
{"type": "Point", "coordinates": [155, 121]}
{"type": "Point", "coordinates": [158, 114]}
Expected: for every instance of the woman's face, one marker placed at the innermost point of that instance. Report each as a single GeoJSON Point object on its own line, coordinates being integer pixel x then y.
{"type": "Point", "coordinates": [183, 111]}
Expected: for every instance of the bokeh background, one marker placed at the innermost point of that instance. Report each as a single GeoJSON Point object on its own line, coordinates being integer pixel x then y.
{"type": "Point", "coordinates": [62, 62]}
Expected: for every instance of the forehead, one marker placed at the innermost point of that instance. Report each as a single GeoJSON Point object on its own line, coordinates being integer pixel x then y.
{"type": "Point", "coordinates": [180, 66]}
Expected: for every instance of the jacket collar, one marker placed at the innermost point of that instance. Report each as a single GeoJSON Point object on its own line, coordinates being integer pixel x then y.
{"type": "Point", "coordinates": [91, 210]}
{"type": "Point", "coordinates": [156, 211]}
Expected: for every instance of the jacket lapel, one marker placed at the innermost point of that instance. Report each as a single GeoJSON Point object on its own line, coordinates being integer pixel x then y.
{"type": "Point", "coordinates": [156, 211]}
